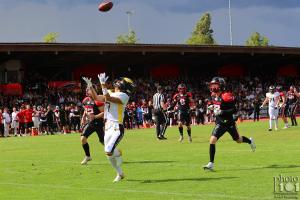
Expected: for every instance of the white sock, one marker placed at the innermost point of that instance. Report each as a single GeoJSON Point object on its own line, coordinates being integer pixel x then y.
{"type": "Point", "coordinates": [286, 124]}
{"type": "Point", "coordinates": [112, 161]}
{"type": "Point", "coordinates": [270, 123]}
{"type": "Point", "coordinates": [116, 162]}
{"type": "Point", "coordinates": [118, 157]}
{"type": "Point", "coordinates": [116, 153]}
{"type": "Point", "coordinates": [276, 123]}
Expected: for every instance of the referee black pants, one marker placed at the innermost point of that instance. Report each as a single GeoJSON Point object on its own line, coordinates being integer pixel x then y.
{"type": "Point", "coordinates": [161, 121]}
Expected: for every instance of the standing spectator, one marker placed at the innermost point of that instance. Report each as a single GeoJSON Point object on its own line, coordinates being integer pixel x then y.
{"type": "Point", "coordinates": [126, 121]}
{"type": "Point", "coordinates": [15, 121]}
{"type": "Point", "coordinates": [43, 120]}
{"type": "Point", "coordinates": [130, 113]}
{"type": "Point", "coordinates": [150, 112]}
{"type": "Point", "coordinates": [256, 108]}
{"type": "Point", "coordinates": [63, 119]}
{"type": "Point", "coordinates": [145, 112]}
{"type": "Point", "coordinates": [28, 114]}
{"type": "Point", "coordinates": [139, 116]}
{"type": "Point", "coordinates": [35, 119]}
{"type": "Point", "coordinates": [170, 112]}
{"type": "Point", "coordinates": [21, 118]}
{"type": "Point", "coordinates": [1, 124]}
{"type": "Point", "coordinates": [200, 111]}
{"type": "Point", "coordinates": [57, 119]}
{"type": "Point", "coordinates": [135, 114]}
{"type": "Point", "coordinates": [68, 123]}
{"type": "Point", "coordinates": [6, 122]}
{"type": "Point", "coordinates": [50, 120]}
{"type": "Point", "coordinates": [76, 119]}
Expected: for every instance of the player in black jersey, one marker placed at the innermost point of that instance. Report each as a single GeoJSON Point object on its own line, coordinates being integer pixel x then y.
{"type": "Point", "coordinates": [92, 121]}
{"type": "Point", "coordinates": [183, 99]}
{"type": "Point", "coordinates": [223, 106]}
{"type": "Point", "coordinates": [292, 103]}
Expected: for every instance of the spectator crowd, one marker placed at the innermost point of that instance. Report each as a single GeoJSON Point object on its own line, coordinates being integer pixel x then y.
{"type": "Point", "coordinates": [43, 110]}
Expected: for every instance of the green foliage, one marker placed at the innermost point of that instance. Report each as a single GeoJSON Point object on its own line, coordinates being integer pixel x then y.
{"type": "Point", "coordinates": [256, 39]}
{"type": "Point", "coordinates": [51, 37]}
{"type": "Point", "coordinates": [202, 34]}
{"type": "Point", "coordinates": [127, 39]}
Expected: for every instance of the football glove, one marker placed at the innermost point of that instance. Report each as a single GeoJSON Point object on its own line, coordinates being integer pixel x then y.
{"type": "Point", "coordinates": [102, 78]}
{"type": "Point", "coordinates": [88, 81]}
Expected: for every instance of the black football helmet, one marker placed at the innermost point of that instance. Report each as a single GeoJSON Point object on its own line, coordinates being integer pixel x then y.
{"type": "Point", "coordinates": [124, 84]}
{"type": "Point", "coordinates": [217, 84]}
{"type": "Point", "coordinates": [272, 89]}
{"type": "Point", "coordinates": [279, 88]}
{"type": "Point", "coordinates": [292, 88]}
{"type": "Point", "coordinates": [181, 88]}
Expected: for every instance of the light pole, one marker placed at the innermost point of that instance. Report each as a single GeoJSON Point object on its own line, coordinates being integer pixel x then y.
{"type": "Point", "coordinates": [129, 14]}
{"type": "Point", "coordinates": [230, 22]}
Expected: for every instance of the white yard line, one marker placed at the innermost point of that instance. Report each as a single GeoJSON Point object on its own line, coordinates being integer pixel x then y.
{"type": "Point", "coordinates": [199, 196]}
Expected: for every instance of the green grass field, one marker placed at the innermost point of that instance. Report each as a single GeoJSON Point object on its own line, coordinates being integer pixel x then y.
{"type": "Point", "coordinates": [48, 167]}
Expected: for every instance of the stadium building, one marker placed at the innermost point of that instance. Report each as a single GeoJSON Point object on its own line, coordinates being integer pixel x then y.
{"type": "Point", "coordinates": [61, 61]}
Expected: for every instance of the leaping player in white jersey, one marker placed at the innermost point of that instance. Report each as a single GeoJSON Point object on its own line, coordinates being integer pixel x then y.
{"type": "Point", "coordinates": [115, 103]}
{"type": "Point", "coordinates": [273, 99]}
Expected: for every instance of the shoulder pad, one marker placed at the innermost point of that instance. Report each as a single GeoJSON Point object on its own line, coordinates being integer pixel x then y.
{"type": "Point", "coordinates": [99, 103]}
{"type": "Point", "coordinates": [86, 99]}
{"type": "Point", "coordinates": [189, 94]}
{"type": "Point", "coordinates": [227, 97]}
{"type": "Point", "coordinates": [175, 95]}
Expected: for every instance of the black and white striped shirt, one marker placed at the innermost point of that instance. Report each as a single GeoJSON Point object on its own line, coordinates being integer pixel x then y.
{"type": "Point", "coordinates": [157, 99]}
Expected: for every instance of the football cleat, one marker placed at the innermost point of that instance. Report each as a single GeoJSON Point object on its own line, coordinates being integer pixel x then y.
{"type": "Point", "coordinates": [286, 126]}
{"type": "Point", "coordinates": [118, 178]}
{"type": "Point", "coordinates": [163, 137]}
{"type": "Point", "coordinates": [180, 139]}
{"type": "Point", "coordinates": [209, 166]}
{"type": "Point", "coordinates": [86, 160]}
{"type": "Point", "coordinates": [190, 139]}
{"type": "Point", "coordinates": [270, 129]}
{"type": "Point", "coordinates": [252, 145]}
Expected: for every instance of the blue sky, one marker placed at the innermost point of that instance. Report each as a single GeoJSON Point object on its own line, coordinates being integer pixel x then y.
{"type": "Point", "coordinates": [155, 21]}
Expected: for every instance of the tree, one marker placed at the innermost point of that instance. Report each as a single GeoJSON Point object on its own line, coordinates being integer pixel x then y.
{"type": "Point", "coordinates": [127, 39]}
{"type": "Point", "coordinates": [51, 37]}
{"type": "Point", "coordinates": [202, 34]}
{"type": "Point", "coordinates": [256, 39]}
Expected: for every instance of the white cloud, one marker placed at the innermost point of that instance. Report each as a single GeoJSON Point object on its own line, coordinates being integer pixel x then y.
{"type": "Point", "coordinates": [28, 22]}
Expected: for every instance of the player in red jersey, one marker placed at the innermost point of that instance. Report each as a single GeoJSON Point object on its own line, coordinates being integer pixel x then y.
{"type": "Point", "coordinates": [92, 121]}
{"type": "Point", "coordinates": [21, 118]}
{"type": "Point", "coordinates": [292, 103]}
{"type": "Point", "coordinates": [28, 113]}
{"type": "Point", "coordinates": [183, 99]}
{"type": "Point", "coordinates": [223, 105]}
{"type": "Point", "coordinates": [283, 111]}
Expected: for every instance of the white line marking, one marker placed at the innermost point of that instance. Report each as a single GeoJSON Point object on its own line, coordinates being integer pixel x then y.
{"type": "Point", "coordinates": [201, 196]}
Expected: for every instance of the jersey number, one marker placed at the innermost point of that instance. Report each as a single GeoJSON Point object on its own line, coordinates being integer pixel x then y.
{"type": "Point", "coordinates": [182, 101]}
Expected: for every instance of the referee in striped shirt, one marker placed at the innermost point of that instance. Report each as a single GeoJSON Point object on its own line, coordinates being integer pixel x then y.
{"type": "Point", "coordinates": [159, 115]}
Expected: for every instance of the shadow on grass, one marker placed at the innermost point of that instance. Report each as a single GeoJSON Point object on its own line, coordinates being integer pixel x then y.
{"type": "Point", "coordinates": [181, 179]}
{"type": "Point", "coordinates": [149, 161]}
{"type": "Point", "coordinates": [266, 167]}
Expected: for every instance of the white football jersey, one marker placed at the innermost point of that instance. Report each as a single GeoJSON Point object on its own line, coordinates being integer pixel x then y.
{"type": "Point", "coordinates": [113, 111]}
{"type": "Point", "coordinates": [273, 98]}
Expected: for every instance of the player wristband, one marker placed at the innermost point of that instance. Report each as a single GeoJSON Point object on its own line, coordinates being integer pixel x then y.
{"type": "Point", "coordinates": [104, 91]}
